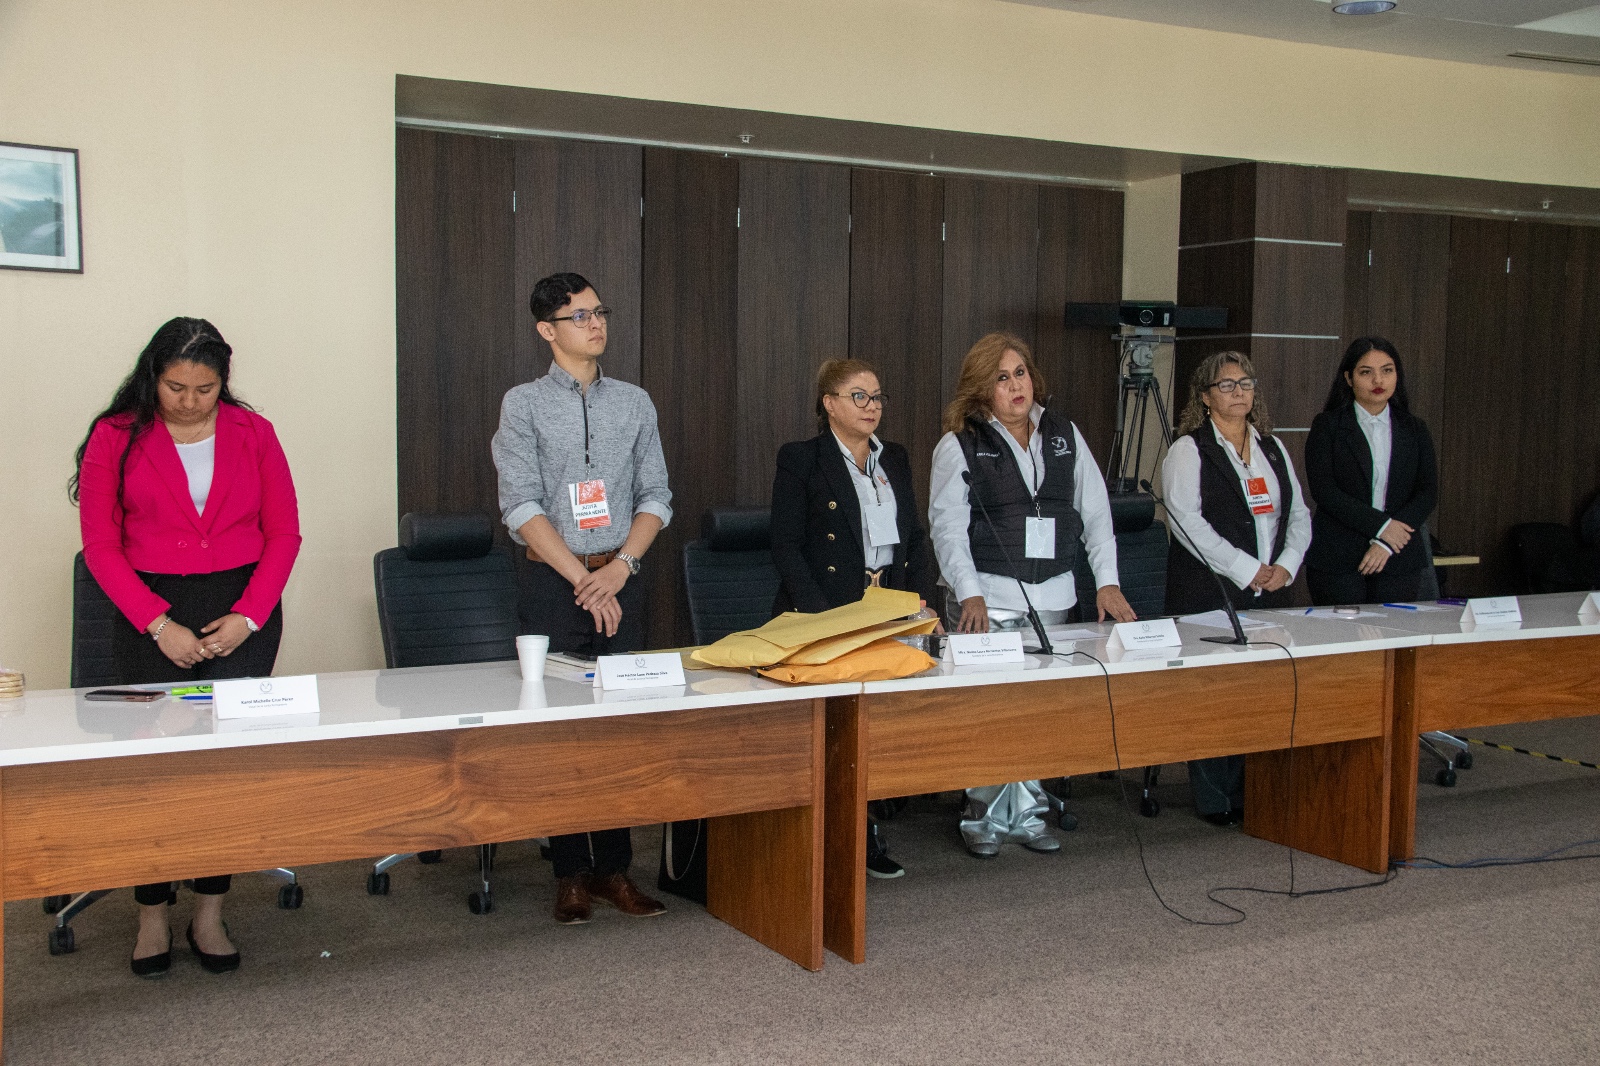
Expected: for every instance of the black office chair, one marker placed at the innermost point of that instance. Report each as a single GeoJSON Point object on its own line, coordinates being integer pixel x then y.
{"type": "Point", "coordinates": [94, 665]}
{"type": "Point", "coordinates": [1142, 576]}
{"type": "Point", "coordinates": [445, 596]}
{"type": "Point", "coordinates": [1551, 558]}
{"type": "Point", "coordinates": [728, 573]}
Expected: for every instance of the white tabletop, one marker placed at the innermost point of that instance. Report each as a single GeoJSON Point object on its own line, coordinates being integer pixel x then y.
{"type": "Point", "coordinates": [61, 726]}
{"type": "Point", "coordinates": [1553, 614]}
{"type": "Point", "coordinates": [1301, 635]}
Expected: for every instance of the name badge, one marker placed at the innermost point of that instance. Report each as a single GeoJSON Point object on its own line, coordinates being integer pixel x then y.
{"type": "Point", "coordinates": [1256, 494]}
{"type": "Point", "coordinates": [977, 649]}
{"type": "Point", "coordinates": [1156, 633]}
{"type": "Point", "coordinates": [639, 671]}
{"type": "Point", "coordinates": [881, 528]}
{"type": "Point", "coordinates": [263, 697]}
{"type": "Point", "coordinates": [1041, 539]}
{"type": "Point", "coordinates": [589, 507]}
{"type": "Point", "coordinates": [1489, 610]}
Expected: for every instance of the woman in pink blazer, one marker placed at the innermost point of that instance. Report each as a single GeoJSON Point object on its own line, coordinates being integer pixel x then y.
{"type": "Point", "coordinates": [190, 525]}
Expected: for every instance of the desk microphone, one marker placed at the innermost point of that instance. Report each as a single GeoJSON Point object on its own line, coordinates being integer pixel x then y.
{"type": "Point", "coordinates": [1033, 615]}
{"type": "Point", "coordinates": [1227, 600]}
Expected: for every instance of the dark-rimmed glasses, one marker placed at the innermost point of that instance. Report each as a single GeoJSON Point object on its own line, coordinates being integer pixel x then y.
{"type": "Point", "coordinates": [862, 399]}
{"type": "Point", "coordinates": [583, 316]}
{"type": "Point", "coordinates": [1227, 385]}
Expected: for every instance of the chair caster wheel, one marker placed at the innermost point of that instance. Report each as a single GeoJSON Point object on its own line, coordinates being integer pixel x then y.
{"type": "Point", "coordinates": [1464, 761]}
{"type": "Point", "coordinates": [428, 858]}
{"type": "Point", "coordinates": [1446, 778]}
{"type": "Point", "coordinates": [378, 883]}
{"type": "Point", "coordinates": [290, 897]}
{"type": "Point", "coordinates": [480, 902]}
{"type": "Point", "coordinates": [1149, 806]}
{"type": "Point", "coordinates": [1066, 822]}
{"type": "Point", "coordinates": [53, 904]}
{"type": "Point", "coordinates": [62, 942]}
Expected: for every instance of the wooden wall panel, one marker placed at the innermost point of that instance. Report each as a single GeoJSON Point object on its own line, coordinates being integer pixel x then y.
{"type": "Point", "coordinates": [794, 305]}
{"type": "Point", "coordinates": [578, 205]}
{"type": "Point", "coordinates": [990, 264]}
{"type": "Point", "coordinates": [1409, 301]}
{"type": "Point", "coordinates": [1357, 275]}
{"type": "Point", "coordinates": [689, 278]}
{"type": "Point", "coordinates": [1080, 260]}
{"type": "Point", "coordinates": [454, 309]}
{"type": "Point", "coordinates": [896, 303]}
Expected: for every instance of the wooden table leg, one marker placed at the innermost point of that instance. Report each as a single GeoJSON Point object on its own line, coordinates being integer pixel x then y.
{"type": "Point", "coordinates": [764, 869]}
{"type": "Point", "coordinates": [1331, 800]}
{"type": "Point", "coordinates": [1403, 790]}
{"type": "Point", "coordinates": [845, 851]}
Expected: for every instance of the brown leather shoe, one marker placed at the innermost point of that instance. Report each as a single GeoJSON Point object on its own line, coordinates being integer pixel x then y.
{"type": "Point", "coordinates": [624, 895]}
{"type": "Point", "coordinates": [572, 899]}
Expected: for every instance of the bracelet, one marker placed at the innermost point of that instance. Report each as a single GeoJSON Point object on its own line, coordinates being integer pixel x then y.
{"type": "Point", "coordinates": [156, 636]}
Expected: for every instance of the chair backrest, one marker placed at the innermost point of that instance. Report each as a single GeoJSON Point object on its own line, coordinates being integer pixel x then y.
{"type": "Point", "coordinates": [1550, 558]}
{"type": "Point", "coordinates": [1428, 586]}
{"type": "Point", "coordinates": [93, 616]}
{"type": "Point", "coordinates": [1141, 572]}
{"type": "Point", "coordinates": [446, 595]}
{"type": "Point", "coordinates": [728, 573]}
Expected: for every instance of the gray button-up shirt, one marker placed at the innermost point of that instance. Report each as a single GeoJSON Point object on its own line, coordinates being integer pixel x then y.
{"type": "Point", "coordinates": [541, 448]}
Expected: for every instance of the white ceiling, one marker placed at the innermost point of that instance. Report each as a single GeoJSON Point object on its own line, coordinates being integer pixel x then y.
{"type": "Point", "coordinates": [1470, 31]}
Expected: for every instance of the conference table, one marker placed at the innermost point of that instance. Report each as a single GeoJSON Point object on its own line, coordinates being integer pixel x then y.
{"type": "Point", "coordinates": [1470, 675]}
{"type": "Point", "coordinates": [95, 795]}
{"type": "Point", "coordinates": [957, 727]}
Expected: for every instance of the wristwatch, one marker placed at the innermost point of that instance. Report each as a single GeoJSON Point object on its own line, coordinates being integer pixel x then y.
{"type": "Point", "coordinates": [631, 563]}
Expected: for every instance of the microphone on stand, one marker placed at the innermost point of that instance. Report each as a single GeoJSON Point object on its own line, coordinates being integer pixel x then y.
{"type": "Point", "coordinates": [1227, 600]}
{"type": "Point", "coordinates": [1033, 615]}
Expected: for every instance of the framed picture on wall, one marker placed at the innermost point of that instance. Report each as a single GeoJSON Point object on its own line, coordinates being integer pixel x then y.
{"type": "Point", "coordinates": [40, 223]}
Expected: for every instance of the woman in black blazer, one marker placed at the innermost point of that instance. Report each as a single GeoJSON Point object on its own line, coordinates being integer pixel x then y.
{"type": "Point", "coordinates": [845, 517]}
{"type": "Point", "coordinates": [1370, 467]}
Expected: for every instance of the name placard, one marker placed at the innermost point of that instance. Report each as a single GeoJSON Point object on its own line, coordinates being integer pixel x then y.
{"type": "Point", "coordinates": [1590, 611]}
{"type": "Point", "coordinates": [980, 649]}
{"type": "Point", "coordinates": [1489, 610]}
{"type": "Point", "coordinates": [1156, 633]}
{"type": "Point", "coordinates": [639, 671]}
{"type": "Point", "coordinates": [263, 697]}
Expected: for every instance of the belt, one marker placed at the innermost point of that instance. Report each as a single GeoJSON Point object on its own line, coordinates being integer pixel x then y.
{"type": "Point", "coordinates": [590, 562]}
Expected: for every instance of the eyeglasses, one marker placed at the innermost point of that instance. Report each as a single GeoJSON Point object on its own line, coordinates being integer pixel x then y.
{"type": "Point", "coordinates": [1227, 385]}
{"type": "Point", "coordinates": [861, 399]}
{"type": "Point", "coordinates": [583, 317]}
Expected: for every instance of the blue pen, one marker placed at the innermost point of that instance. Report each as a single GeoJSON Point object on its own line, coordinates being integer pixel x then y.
{"type": "Point", "coordinates": [199, 696]}
{"type": "Point", "coordinates": [1402, 606]}
{"type": "Point", "coordinates": [1310, 609]}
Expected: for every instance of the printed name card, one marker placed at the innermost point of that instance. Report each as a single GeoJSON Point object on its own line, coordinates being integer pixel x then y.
{"type": "Point", "coordinates": [1156, 633]}
{"type": "Point", "coordinates": [1490, 610]}
{"type": "Point", "coordinates": [262, 697]}
{"type": "Point", "coordinates": [1590, 611]}
{"type": "Point", "coordinates": [982, 649]}
{"type": "Point", "coordinates": [639, 671]}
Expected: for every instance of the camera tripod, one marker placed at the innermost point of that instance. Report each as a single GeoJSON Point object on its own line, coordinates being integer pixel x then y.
{"type": "Point", "coordinates": [1137, 387]}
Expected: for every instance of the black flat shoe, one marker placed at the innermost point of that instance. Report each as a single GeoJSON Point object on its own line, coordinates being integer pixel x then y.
{"type": "Point", "coordinates": [154, 965]}
{"type": "Point", "coordinates": [212, 963]}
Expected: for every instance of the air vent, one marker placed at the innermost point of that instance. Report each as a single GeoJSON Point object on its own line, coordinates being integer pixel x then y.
{"type": "Point", "coordinates": [1545, 57]}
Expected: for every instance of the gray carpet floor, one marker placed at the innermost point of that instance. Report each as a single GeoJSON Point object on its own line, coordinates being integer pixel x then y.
{"type": "Point", "coordinates": [1066, 958]}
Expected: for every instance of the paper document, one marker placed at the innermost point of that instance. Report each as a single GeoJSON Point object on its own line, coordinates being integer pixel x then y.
{"type": "Point", "coordinates": [1219, 620]}
{"type": "Point", "coordinates": [1331, 612]}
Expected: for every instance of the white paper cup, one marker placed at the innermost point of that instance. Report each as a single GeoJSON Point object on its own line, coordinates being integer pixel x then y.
{"type": "Point", "coordinates": [531, 651]}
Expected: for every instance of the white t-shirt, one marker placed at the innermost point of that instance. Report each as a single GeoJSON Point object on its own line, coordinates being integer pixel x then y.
{"type": "Point", "coordinates": [199, 462]}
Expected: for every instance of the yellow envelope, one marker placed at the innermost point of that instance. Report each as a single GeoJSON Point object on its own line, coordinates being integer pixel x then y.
{"type": "Point", "coordinates": [882, 660]}
{"type": "Point", "coordinates": [789, 633]}
{"type": "Point", "coordinates": [830, 648]}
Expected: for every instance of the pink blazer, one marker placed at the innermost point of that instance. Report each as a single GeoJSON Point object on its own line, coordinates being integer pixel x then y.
{"type": "Point", "coordinates": [251, 515]}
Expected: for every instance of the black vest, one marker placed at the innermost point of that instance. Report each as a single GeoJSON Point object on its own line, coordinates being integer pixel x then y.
{"type": "Point", "coordinates": [998, 488]}
{"type": "Point", "coordinates": [1223, 505]}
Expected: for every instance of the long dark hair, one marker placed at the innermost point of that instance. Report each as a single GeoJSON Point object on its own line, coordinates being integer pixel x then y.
{"type": "Point", "coordinates": [1341, 395]}
{"type": "Point", "coordinates": [180, 340]}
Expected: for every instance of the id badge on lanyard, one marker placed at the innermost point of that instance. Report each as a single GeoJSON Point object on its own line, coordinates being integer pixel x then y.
{"type": "Point", "coordinates": [1039, 534]}
{"type": "Point", "coordinates": [1256, 494]}
{"type": "Point", "coordinates": [589, 507]}
{"type": "Point", "coordinates": [882, 529]}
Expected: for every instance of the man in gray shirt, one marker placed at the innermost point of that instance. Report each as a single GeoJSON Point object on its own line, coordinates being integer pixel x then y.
{"type": "Point", "coordinates": [583, 485]}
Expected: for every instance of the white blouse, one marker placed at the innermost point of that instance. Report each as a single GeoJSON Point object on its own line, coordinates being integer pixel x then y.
{"type": "Point", "coordinates": [199, 462]}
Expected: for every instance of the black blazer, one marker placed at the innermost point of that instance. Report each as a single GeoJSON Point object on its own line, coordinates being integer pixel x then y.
{"type": "Point", "coordinates": [816, 529]}
{"type": "Point", "coordinates": [1339, 479]}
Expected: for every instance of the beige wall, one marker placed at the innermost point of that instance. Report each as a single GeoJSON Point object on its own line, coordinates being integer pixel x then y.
{"type": "Point", "coordinates": [238, 164]}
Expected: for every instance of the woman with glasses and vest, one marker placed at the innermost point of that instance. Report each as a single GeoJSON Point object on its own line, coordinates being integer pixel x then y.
{"type": "Point", "coordinates": [1237, 512]}
{"type": "Point", "coordinates": [1370, 466]}
{"type": "Point", "coordinates": [844, 517]}
{"type": "Point", "coordinates": [1015, 498]}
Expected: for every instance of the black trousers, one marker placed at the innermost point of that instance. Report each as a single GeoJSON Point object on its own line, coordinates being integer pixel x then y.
{"type": "Point", "coordinates": [1217, 785]}
{"type": "Point", "coordinates": [548, 608]}
{"type": "Point", "coordinates": [197, 601]}
{"type": "Point", "coordinates": [1331, 588]}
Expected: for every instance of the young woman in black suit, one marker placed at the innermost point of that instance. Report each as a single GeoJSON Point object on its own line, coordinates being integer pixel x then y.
{"type": "Point", "coordinates": [1370, 467]}
{"type": "Point", "coordinates": [844, 516]}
